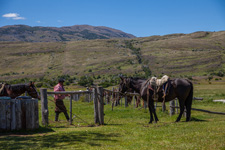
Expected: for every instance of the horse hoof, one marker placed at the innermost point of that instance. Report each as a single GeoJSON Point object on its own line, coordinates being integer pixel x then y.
{"type": "Point", "coordinates": [150, 122]}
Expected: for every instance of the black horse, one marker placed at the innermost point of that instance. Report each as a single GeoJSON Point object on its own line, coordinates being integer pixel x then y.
{"type": "Point", "coordinates": [180, 88]}
{"type": "Point", "coordinates": [16, 90]}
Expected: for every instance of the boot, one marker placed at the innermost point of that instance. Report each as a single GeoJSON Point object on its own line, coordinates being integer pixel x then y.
{"type": "Point", "coordinates": [56, 116]}
{"type": "Point", "coordinates": [66, 115]}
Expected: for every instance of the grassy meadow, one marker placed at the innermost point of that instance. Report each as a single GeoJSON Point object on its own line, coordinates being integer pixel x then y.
{"type": "Point", "coordinates": [128, 128]}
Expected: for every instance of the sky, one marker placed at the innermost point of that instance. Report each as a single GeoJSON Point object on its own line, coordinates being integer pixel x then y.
{"type": "Point", "coordinates": [141, 18]}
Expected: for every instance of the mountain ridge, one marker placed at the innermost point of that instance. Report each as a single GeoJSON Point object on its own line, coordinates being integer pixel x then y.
{"type": "Point", "coordinates": [27, 33]}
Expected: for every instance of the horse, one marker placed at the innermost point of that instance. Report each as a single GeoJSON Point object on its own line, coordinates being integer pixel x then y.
{"type": "Point", "coordinates": [16, 90]}
{"type": "Point", "coordinates": [180, 88]}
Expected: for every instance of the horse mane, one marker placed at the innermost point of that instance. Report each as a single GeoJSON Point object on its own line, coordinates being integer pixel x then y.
{"type": "Point", "coordinates": [137, 78]}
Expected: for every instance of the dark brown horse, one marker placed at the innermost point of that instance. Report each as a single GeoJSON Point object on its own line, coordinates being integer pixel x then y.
{"type": "Point", "coordinates": [180, 88]}
{"type": "Point", "coordinates": [16, 90]}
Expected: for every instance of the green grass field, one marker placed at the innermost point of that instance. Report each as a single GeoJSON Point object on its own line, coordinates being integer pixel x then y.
{"type": "Point", "coordinates": [128, 128]}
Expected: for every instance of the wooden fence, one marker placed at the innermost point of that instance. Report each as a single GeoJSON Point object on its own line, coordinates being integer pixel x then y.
{"type": "Point", "coordinates": [98, 99]}
{"type": "Point", "coordinates": [18, 114]}
{"type": "Point", "coordinates": [44, 102]}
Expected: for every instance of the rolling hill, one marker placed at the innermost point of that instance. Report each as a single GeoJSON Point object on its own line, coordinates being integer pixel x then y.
{"type": "Point", "coordinates": [177, 55]}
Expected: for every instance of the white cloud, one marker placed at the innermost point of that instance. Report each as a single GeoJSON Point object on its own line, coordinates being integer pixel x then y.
{"type": "Point", "coordinates": [13, 16]}
{"type": "Point", "coordinates": [18, 18]}
{"type": "Point", "coordinates": [38, 21]}
{"type": "Point", "coordinates": [10, 15]}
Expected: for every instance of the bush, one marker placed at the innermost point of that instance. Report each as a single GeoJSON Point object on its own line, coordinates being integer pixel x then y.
{"type": "Point", "coordinates": [85, 81]}
{"type": "Point", "coordinates": [38, 85]}
{"type": "Point", "coordinates": [220, 73]}
{"type": "Point", "coordinates": [147, 71]}
{"type": "Point", "coordinates": [106, 84]}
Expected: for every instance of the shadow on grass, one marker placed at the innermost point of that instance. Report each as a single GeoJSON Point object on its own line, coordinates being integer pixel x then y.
{"type": "Point", "coordinates": [40, 130]}
{"type": "Point", "coordinates": [198, 120]}
{"type": "Point", "coordinates": [113, 124]}
{"type": "Point", "coordinates": [72, 139]}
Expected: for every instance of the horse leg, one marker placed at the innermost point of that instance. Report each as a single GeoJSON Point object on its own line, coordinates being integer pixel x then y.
{"type": "Point", "coordinates": [188, 109]}
{"type": "Point", "coordinates": [154, 113]}
{"type": "Point", "coordinates": [188, 104]}
{"type": "Point", "coordinates": [181, 110]}
{"type": "Point", "coordinates": [151, 116]}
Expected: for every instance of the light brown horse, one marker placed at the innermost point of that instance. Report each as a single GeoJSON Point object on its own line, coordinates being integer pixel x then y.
{"type": "Point", "coordinates": [16, 90]}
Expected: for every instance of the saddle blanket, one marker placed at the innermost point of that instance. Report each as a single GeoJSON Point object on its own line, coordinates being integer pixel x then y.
{"type": "Point", "coordinates": [159, 82]}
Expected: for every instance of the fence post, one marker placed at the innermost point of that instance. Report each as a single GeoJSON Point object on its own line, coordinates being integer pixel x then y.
{"type": "Point", "coordinates": [185, 112]}
{"type": "Point", "coordinates": [176, 105]}
{"type": "Point", "coordinates": [163, 107]}
{"type": "Point", "coordinates": [107, 98]}
{"type": "Point", "coordinates": [100, 105]}
{"type": "Point", "coordinates": [95, 99]}
{"type": "Point", "coordinates": [44, 106]}
{"type": "Point", "coordinates": [125, 104]}
{"type": "Point", "coordinates": [120, 100]}
{"type": "Point", "coordinates": [172, 107]}
{"type": "Point", "coordinates": [71, 98]}
{"type": "Point", "coordinates": [145, 104]}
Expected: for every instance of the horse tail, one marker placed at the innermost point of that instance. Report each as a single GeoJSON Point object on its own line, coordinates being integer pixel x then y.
{"type": "Point", "coordinates": [188, 102]}
{"type": "Point", "coordinates": [190, 95]}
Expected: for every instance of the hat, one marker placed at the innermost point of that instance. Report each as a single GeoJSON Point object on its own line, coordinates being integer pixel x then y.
{"type": "Point", "coordinates": [61, 80]}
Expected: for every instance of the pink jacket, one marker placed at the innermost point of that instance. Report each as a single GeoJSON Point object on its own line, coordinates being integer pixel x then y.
{"type": "Point", "coordinates": [58, 87]}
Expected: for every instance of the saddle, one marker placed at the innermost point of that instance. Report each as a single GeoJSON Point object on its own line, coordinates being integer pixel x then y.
{"type": "Point", "coordinates": [2, 88]}
{"type": "Point", "coordinates": [157, 85]}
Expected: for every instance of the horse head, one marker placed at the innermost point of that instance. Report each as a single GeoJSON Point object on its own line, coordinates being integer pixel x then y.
{"type": "Point", "coordinates": [32, 91]}
{"type": "Point", "coordinates": [124, 84]}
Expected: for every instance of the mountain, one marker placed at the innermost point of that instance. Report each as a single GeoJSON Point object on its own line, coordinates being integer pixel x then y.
{"type": "Point", "coordinates": [54, 34]}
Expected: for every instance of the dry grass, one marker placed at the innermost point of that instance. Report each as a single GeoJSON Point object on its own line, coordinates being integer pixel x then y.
{"type": "Point", "coordinates": [193, 54]}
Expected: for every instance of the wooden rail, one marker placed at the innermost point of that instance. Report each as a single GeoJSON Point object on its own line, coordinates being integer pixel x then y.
{"type": "Point", "coordinates": [69, 92]}
{"type": "Point", "coordinates": [98, 102]}
{"type": "Point", "coordinates": [98, 99]}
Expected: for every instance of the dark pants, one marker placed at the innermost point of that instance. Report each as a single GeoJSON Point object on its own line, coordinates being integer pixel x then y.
{"type": "Point", "coordinates": [60, 107]}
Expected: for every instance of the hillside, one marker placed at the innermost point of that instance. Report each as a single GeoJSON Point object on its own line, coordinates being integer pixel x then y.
{"type": "Point", "coordinates": [177, 55]}
{"type": "Point", "coordinates": [53, 34]}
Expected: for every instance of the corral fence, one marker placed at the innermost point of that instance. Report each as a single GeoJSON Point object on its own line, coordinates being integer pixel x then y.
{"type": "Point", "coordinates": [44, 102]}
{"type": "Point", "coordinates": [97, 94]}
{"type": "Point", "coordinates": [100, 97]}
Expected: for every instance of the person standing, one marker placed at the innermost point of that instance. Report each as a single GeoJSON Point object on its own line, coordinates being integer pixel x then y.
{"type": "Point", "coordinates": [58, 98]}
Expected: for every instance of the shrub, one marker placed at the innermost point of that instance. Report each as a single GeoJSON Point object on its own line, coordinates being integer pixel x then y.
{"type": "Point", "coordinates": [85, 81]}
{"type": "Point", "coordinates": [220, 73]}
{"type": "Point", "coordinates": [106, 84]}
{"type": "Point", "coordinates": [38, 85]}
